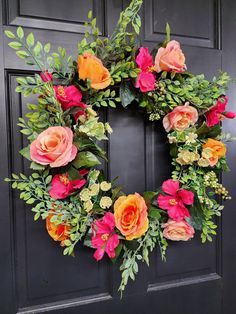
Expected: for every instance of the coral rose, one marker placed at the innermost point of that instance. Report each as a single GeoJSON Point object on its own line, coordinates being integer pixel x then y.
{"type": "Point", "coordinates": [91, 68]}
{"type": "Point", "coordinates": [213, 150]}
{"type": "Point", "coordinates": [53, 147]}
{"type": "Point", "coordinates": [178, 230]}
{"type": "Point", "coordinates": [180, 118]}
{"type": "Point", "coordinates": [170, 58]}
{"type": "Point", "coordinates": [130, 214]}
{"type": "Point", "coordinates": [57, 232]}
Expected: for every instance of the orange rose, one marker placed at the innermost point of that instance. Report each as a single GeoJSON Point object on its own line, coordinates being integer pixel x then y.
{"type": "Point", "coordinates": [214, 150]}
{"type": "Point", "coordinates": [57, 232]}
{"type": "Point", "coordinates": [130, 214]}
{"type": "Point", "coordinates": [91, 68]}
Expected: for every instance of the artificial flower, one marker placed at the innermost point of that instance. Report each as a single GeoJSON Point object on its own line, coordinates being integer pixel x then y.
{"type": "Point", "coordinates": [59, 232]}
{"type": "Point", "coordinates": [144, 60]}
{"type": "Point", "coordinates": [94, 189]}
{"type": "Point", "coordinates": [92, 69]}
{"type": "Point", "coordinates": [46, 76]}
{"type": "Point", "coordinates": [170, 58]}
{"type": "Point", "coordinates": [104, 237]}
{"type": "Point", "coordinates": [105, 202]}
{"type": "Point", "coordinates": [53, 147]}
{"type": "Point", "coordinates": [105, 186]}
{"type": "Point", "coordinates": [190, 138]}
{"type": "Point", "coordinates": [69, 96]}
{"type": "Point", "coordinates": [175, 200]}
{"type": "Point", "coordinates": [85, 195]}
{"type": "Point", "coordinates": [88, 205]}
{"type": "Point", "coordinates": [185, 157]}
{"type": "Point", "coordinates": [61, 186]}
{"type": "Point", "coordinates": [213, 150]}
{"type": "Point", "coordinates": [178, 230]}
{"type": "Point", "coordinates": [180, 118]}
{"type": "Point", "coordinates": [131, 216]}
{"type": "Point", "coordinates": [218, 112]}
{"type": "Point", "coordinates": [145, 81]}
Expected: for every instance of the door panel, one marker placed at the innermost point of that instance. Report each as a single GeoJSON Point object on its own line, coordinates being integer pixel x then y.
{"type": "Point", "coordinates": [35, 276]}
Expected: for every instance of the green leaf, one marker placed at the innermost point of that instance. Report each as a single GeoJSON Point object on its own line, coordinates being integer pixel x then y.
{"type": "Point", "coordinates": [36, 166]}
{"type": "Point", "coordinates": [204, 130]}
{"type": "Point", "coordinates": [20, 32]}
{"type": "Point", "coordinates": [90, 14]}
{"type": "Point", "coordinates": [85, 159]}
{"type": "Point", "coordinates": [47, 48]}
{"type": "Point", "coordinates": [127, 94]}
{"type": "Point", "coordinates": [25, 152]}
{"type": "Point", "coordinates": [154, 213]}
{"type": "Point", "coordinates": [167, 32]}
{"type": "Point", "coordinates": [9, 34]}
{"type": "Point", "coordinates": [117, 251]}
{"type": "Point", "coordinates": [15, 45]}
{"type": "Point", "coordinates": [30, 40]}
{"type": "Point", "coordinates": [22, 54]}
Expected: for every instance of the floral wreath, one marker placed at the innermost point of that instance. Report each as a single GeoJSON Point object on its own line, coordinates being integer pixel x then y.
{"type": "Point", "coordinates": [63, 129]}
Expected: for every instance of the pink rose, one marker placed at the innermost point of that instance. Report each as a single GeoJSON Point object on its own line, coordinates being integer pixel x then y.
{"type": "Point", "coordinates": [146, 82]}
{"type": "Point", "coordinates": [69, 96]}
{"type": "Point", "coordinates": [46, 76]}
{"type": "Point", "coordinates": [144, 59]}
{"type": "Point", "coordinates": [53, 147]}
{"type": "Point", "coordinates": [170, 58]}
{"type": "Point", "coordinates": [180, 118]}
{"type": "Point", "coordinates": [61, 186]}
{"type": "Point", "coordinates": [178, 231]}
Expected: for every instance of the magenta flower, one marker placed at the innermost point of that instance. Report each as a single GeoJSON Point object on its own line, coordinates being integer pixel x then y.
{"type": "Point", "coordinates": [176, 200]}
{"type": "Point", "coordinates": [69, 96]}
{"type": "Point", "coordinates": [46, 76]}
{"type": "Point", "coordinates": [218, 113]}
{"type": "Point", "coordinates": [146, 80]}
{"type": "Point", "coordinates": [144, 59]}
{"type": "Point", "coordinates": [61, 186]}
{"type": "Point", "coordinates": [105, 239]}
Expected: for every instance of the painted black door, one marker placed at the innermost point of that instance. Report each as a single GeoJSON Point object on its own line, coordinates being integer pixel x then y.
{"type": "Point", "coordinates": [34, 275]}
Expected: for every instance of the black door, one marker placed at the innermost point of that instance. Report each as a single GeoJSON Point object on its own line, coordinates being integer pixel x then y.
{"type": "Point", "coordinates": [34, 275]}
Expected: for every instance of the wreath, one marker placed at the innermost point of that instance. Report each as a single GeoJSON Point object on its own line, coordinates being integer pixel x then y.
{"type": "Point", "coordinates": [63, 130]}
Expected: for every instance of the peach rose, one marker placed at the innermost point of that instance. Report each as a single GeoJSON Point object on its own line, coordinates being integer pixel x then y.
{"type": "Point", "coordinates": [91, 68]}
{"type": "Point", "coordinates": [170, 58]}
{"type": "Point", "coordinates": [213, 150]}
{"type": "Point", "coordinates": [57, 232]}
{"type": "Point", "coordinates": [178, 230]}
{"type": "Point", "coordinates": [53, 147]}
{"type": "Point", "coordinates": [180, 118]}
{"type": "Point", "coordinates": [130, 214]}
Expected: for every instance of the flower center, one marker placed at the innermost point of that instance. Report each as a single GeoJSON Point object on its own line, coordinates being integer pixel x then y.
{"type": "Point", "coordinates": [172, 202]}
{"type": "Point", "coordinates": [61, 91]}
{"type": "Point", "coordinates": [64, 179]}
{"type": "Point", "coordinates": [105, 237]}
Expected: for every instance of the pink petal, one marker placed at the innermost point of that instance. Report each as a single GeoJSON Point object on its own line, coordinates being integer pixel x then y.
{"type": "Point", "coordinates": [230, 114]}
{"type": "Point", "coordinates": [109, 220]}
{"type": "Point", "coordinates": [98, 255]}
{"type": "Point", "coordinates": [77, 184]}
{"type": "Point", "coordinates": [178, 213]}
{"type": "Point", "coordinates": [186, 196]}
{"type": "Point", "coordinates": [212, 118]}
{"type": "Point", "coordinates": [170, 186]}
{"type": "Point", "coordinates": [164, 201]}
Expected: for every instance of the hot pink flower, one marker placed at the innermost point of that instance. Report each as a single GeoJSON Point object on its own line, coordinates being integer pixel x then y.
{"type": "Point", "coordinates": [61, 186]}
{"type": "Point", "coordinates": [146, 82]}
{"type": "Point", "coordinates": [69, 96]}
{"type": "Point", "coordinates": [218, 113]}
{"type": "Point", "coordinates": [46, 76]}
{"type": "Point", "coordinates": [175, 200]}
{"type": "Point", "coordinates": [144, 59]}
{"type": "Point", "coordinates": [105, 239]}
